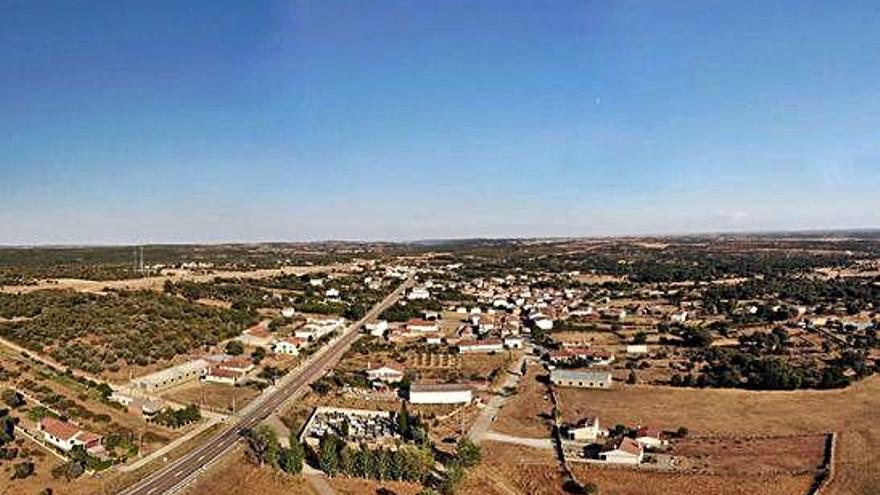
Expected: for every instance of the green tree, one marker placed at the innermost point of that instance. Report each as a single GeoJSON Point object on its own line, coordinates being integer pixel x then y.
{"type": "Point", "coordinates": [294, 456]}
{"type": "Point", "coordinates": [258, 355]}
{"type": "Point", "coordinates": [467, 453]}
{"type": "Point", "coordinates": [329, 454]}
{"type": "Point", "coordinates": [264, 444]}
{"type": "Point", "coordinates": [12, 398]}
{"type": "Point", "coordinates": [234, 348]}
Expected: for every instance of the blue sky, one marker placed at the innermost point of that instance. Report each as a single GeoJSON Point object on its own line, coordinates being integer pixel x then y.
{"type": "Point", "coordinates": [168, 121]}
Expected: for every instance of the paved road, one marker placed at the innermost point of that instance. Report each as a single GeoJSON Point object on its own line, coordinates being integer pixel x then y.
{"type": "Point", "coordinates": [536, 443]}
{"type": "Point", "coordinates": [182, 471]}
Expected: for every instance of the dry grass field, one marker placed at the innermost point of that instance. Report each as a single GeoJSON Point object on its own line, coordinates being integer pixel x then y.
{"type": "Point", "coordinates": [157, 282]}
{"type": "Point", "coordinates": [528, 413]}
{"type": "Point", "coordinates": [353, 486]}
{"type": "Point", "coordinates": [214, 396]}
{"type": "Point", "coordinates": [737, 413]}
{"type": "Point", "coordinates": [788, 454]}
{"type": "Point", "coordinates": [237, 475]}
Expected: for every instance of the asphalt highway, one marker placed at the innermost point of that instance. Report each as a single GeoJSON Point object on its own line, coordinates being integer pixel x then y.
{"type": "Point", "coordinates": [182, 471]}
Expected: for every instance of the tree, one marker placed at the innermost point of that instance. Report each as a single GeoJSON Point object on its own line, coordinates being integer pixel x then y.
{"type": "Point", "coordinates": [403, 421]}
{"type": "Point", "coordinates": [682, 432]}
{"type": "Point", "coordinates": [22, 470]}
{"type": "Point", "coordinates": [640, 338]}
{"type": "Point", "coordinates": [234, 348]}
{"type": "Point", "coordinates": [105, 390]}
{"type": "Point", "coordinates": [294, 456]}
{"type": "Point", "coordinates": [467, 453]}
{"type": "Point", "coordinates": [264, 444]}
{"type": "Point", "coordinates": [451, 479]}
{"type": "Point", "coordinates": [328, 458]}
{"type": "Point", "coordinates": [12, 398]}
{"type": "Point", "coordinates": [258, 355]}
{"type": "Point", "coordinates": [632, 379]}
{"type": "Point", "coordinates": [69, 470]}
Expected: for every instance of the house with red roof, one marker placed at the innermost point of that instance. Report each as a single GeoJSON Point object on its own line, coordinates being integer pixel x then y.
{"type": "Point", "coordinates": [622, 450]}
{"type": "Point", "coordinates": [649, 437]}
{"type": "Point", "coordinates": [66, 435]}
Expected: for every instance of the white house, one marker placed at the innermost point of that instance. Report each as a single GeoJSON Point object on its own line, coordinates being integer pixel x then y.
{"type": "Point", "coordinates": [587, 430]}
{"type": "Point", "coordinates": [442, 393]}
{"type": "Point", "coordinates": [389, 373]}
{"type": "Point", "coordinates": [332, 293]}
{"type": "Point", "coordinates": [511, 342]}
{"type": "Point", "coordinates": [288, 312]}
{"type": "Point", "coordinates": [636, 349]}
{"type": "Point", "coordinates": [649, 437]}
{"type": "Point", "coordinates": [623, 450]}
{"type": "Point", "coordinates": [545, 324]}
{"type": "Point", "coordinates": [434, 339]}
{"type": "Point", "coordinates": [66, 436]}
{"type": "Point", "coordinates": [377, 328]}
{"type": "Point", "coordinates": [418, 293]}
{"type": "Point", "coordinates": [288, 345]}
{"type": "Point", "coordinates": [581, 379]}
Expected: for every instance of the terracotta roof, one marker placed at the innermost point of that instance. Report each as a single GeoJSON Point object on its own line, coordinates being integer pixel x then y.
{"type": "Point", "coordinates": [647, 431]}
{"type": "Point", "coordinates": [390, 364]}
{"type": "Point", "coordinates": [237, 363]}
{"type": "Point", "coordinates": [257, 331]}
{"type": "Point", "coordinates": [224, 373]}
{"type": "Point", "coordinates": [421, 322]}
{"type": "Point", "coordinates": [624, 444]}
{"type": "Point", "coordinates": [59, 429]}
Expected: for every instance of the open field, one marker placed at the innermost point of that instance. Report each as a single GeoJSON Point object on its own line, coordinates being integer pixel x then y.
{"type": "Point", "coordinates": [737, 413]}
{"type": "Point", "coordinates": [788, 454]}
{"type": "Point", "coordinates": [237, 475]}
{"type": "Point", "coordinates": [528, 413]}
{"type": "Point", "coordinates": [214, 396]}
{"type": "Point", "coordinates": [509, 469]}
{"type": "Point", "coordinates": [354, 486]}
{"type": "Point", "coordinates": [157, 282]}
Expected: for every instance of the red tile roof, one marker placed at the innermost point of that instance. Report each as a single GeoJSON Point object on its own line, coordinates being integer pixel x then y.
{"type": "Point", "coordinates": [59, 429]}
{"type": "Point", "coordinates": [647, 431]}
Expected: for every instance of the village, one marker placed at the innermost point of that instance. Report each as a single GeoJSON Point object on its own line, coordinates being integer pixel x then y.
{"type": "Point", "coordinates": [527, 358]}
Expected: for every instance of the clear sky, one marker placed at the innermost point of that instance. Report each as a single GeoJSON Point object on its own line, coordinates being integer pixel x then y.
{"type": "Point", "coordinates": [172, 121]}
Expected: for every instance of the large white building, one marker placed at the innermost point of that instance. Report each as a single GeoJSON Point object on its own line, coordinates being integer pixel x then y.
{"type": "Point", "coordinates": [581, 379]}
{"type": "Point", "coordinates": [316, 328]}
{"type": "Point", "coordinates": [441, 393]}
{"type": "Point", "coordinates": [169, 377]}
{"type": "Point", "coordinates": [481, 346]}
